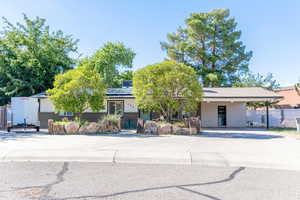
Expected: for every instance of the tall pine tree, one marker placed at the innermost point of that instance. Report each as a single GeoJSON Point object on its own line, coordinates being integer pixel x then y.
{"type": "Point", "coordinates": [210, 44]}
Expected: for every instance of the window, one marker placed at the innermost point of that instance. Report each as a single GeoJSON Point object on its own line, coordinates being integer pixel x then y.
{"type": "Point", "coordinates": [115, 107]}
{"type": "Point", "coordinates": [65, 114]}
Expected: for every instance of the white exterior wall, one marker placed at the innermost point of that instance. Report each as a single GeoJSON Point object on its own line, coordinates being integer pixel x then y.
{"type": "Point", "coordinates": [46, 105]}
{"type": "Point", "coordinates": [235, 114]}
{"type": "Point", "coordinates": [130, 106]}
{"type": "Point", "coordinates": [285, 118]}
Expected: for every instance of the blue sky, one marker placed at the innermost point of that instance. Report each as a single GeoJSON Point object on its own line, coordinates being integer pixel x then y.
{"type": "Point", "coordinates": [271, 29]}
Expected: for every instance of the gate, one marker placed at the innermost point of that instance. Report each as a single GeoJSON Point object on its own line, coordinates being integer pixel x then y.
{"type": "Point", "coordinates": [129, 124]}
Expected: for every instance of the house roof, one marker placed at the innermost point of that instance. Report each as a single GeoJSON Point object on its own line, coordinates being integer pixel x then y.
{"type": "Point", "coordinates": [291, 87]}
{"type": "Point", "coordinates": [40, 95]}
{"type": "Point", "coordinates": [209, 94]}
{"type": "Point", "coordinates": [119, 92]}
{"type": "Point", "coordinates": [239, 92]}
{"type": "Point", "coordinates": [291, 98]}
{"type": "Point", "coordinates": [111, 92]}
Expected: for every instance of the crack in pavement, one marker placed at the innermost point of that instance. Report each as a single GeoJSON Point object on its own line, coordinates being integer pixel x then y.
{"type": "Point", "coordinates": [43, 190]}
{"type": "Point", "coordinates": [183, 187]}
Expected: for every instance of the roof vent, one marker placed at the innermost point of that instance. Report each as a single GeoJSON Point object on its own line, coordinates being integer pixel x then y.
{"type": "Point", "coordinates": [127, 84]}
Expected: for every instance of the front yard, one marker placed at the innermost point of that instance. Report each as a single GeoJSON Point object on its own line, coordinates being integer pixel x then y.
{"type": "Point", "coordinates": [285, 130]}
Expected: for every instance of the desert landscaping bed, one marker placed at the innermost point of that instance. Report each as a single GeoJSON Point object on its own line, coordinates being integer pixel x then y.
{"type": "Point", "coordinates": [189, 126]}
{"type": "Point", "coordinates": [109, 124]}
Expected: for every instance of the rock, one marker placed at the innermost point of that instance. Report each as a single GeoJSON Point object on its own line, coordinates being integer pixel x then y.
{"type": "Point", "coordinates": [193, 131]}
{"type": "Point", "coordinates": [165, 129]}
{"type": "Point", "coordinates": [115, 130]}
{"type": "Point", "coordinates": [195, 122]}
{"type": "Point", "coordinates": [58, 129]}
{"type": "Point", "coordinates": [83, 129]}
{"type": "Point", "coordinates": [151, 127]}
{"type": "Point", "coordinates": [185, 131]}
{"type": "Point", "coordinates": [72, 128]}
{"type": "Point", "coordinates": [140, 126]}
{"type": "Point", "coordinates": [50, 126]}
{"type": "Point", "coordinates": [93, 128]}
{"type": "Point", "coordinates": [101, 128]}
{"type": "Point", "coordinates": [111, 129]}
{"type": "Point", "coordinates": [176, 130]}
{"type": "Point", "coordinates": [180, 131]}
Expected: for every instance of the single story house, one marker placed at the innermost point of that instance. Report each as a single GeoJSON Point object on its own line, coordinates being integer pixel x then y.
{"type": "Point", "coordinates": [220, 107]}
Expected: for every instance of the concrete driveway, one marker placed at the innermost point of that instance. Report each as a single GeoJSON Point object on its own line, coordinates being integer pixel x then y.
{"type": "Point", "coordinates": [215, 147]}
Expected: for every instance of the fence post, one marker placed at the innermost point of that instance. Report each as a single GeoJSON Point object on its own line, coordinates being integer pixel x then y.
{"type": "Point", "coordinates": [5, 117]}
{"type": "Point", "coordinates": [267, 113]}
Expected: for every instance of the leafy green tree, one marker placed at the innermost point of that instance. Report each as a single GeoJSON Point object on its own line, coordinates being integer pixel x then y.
{"type": "Point", "coordinates": [167, 87]}
{"type": "Point", "coordinates": [123, 76]}
{"type": "Point", "coordinates": [210, 43]}
{"type": "Point", "coordinates": [77, 90]}
{"type": "Point", "coordinates": [110, 60]}
{"type": "Point", "coordinates": [250, 79]}
{"type": "Point", "coordinates": [30, 57]}
{"type": "Point", "coordinates": [297, 87]}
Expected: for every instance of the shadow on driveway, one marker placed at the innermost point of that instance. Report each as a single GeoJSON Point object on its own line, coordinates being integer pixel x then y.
{"type": "Point", "coordinates": [124, 134]}
{"type": "Point", "coordinates": [16, 135]}
{"type": "Point", "coordinates": [129, 135]}
{"type": "Point", "coordinates": [4, 136]}
{"type": "Point", "coordinates": [240, 136]}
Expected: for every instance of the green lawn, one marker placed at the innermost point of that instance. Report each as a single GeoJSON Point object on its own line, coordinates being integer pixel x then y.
{"type": "Point", "coordinates": [285, 130]}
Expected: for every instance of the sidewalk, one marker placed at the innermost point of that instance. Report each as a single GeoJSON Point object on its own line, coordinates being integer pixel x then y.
{"type": "Point", "coordinates": [249, 149]}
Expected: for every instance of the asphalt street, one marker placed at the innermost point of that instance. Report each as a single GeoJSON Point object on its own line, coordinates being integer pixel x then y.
{"type": "Point", "coordinates": [89, 181]}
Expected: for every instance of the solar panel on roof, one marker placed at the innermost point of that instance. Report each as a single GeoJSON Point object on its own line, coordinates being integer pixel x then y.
{"type": "Point", "coordinates": [127, 84]}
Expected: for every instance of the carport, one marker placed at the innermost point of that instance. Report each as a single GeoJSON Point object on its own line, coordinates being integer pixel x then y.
{"type": "Point", "coordinates": [226, 107]}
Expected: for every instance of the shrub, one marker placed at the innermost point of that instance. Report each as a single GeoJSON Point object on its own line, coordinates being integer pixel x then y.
{"type": "Point", "coordinates": [167, 87]}
{"type": "Point", "coordinates": [61, 123]}
{"type": "Point", "coordinates": [77, 90]}
{"type": "Point", "coordinates": [65, 119]}
{"type": "Point", "coordinates": [180, 124]}
{"type": "Point", "coordinates": [111, 119]}
{"type": "Point", "coordinates": [80, 121]}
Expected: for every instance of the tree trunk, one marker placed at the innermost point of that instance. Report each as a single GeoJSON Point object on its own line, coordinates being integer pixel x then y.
{"type": "Point", "coordinates": [198, 113]}
{"type": "Point", "coordinates": [79, 115]}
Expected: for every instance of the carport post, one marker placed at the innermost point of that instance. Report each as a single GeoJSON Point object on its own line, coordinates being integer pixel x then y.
{"type": "Point", "coordinates": [267, 113]}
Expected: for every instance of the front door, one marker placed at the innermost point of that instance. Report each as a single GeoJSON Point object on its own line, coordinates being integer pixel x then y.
{"type": "Point", "coordinates": [222, 116]}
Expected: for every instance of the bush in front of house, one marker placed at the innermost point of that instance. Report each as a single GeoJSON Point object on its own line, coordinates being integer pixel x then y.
{"type": "Point", "coordinates": [109, 124]}
{"type": "Point", "coordinates": [113, 120]}
{"type": "Point", "coordinates": [77, 90]}
{"type": "Point", "coordinates": [166, 88]}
